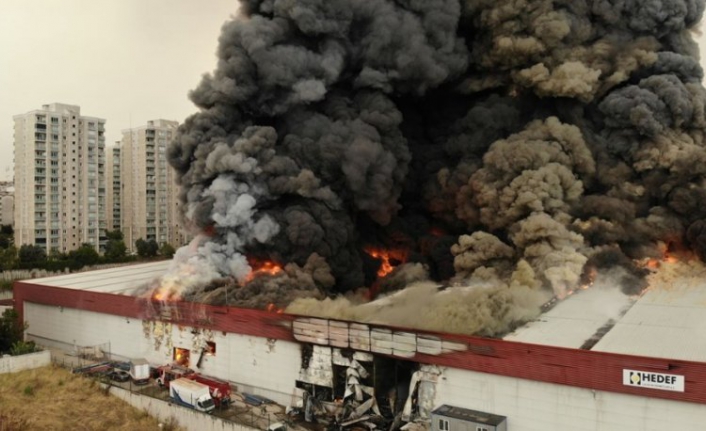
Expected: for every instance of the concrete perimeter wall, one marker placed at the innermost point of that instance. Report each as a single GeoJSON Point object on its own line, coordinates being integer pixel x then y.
{"type": "Point", "coordinates": [184, 417]}
{"type": "Point", "coordinates": [13, 364]}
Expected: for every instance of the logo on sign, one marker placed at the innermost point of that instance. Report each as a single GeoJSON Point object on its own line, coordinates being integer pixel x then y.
{"type": "Point", "coordinates": [645, 379]}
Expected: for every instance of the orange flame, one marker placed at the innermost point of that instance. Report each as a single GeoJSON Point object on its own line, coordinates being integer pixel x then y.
{"type": "Point", "coordinates": [272, 308]}
{"type": "Point", "coordinates": [158, 295]}
{"type": "Point", "coordinates": [667, 257]}
{"type": "Point", "coordinates": [262, 267]}
{"type": "Point", "coordinates": [384, 256]}
{"type": "Point", "coordinates": [166, 292]}
{"type": "Point", "coordinates": [652, 263]}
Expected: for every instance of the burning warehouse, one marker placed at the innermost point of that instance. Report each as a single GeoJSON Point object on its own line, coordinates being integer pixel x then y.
{"type": "Point", "coordinates": [410, 175]}
{"type": "Point", "coordinates": [598, 359]}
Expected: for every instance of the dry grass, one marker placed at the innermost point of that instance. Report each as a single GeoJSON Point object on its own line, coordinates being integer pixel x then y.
{"type": "Point", "coordinates": [51, 398]}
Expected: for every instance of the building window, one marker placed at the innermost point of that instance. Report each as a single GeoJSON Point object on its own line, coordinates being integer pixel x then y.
{"type": "Point", "coordinates": [481, 429]}
{"type": "Point", "coordinates": [210, 348]}
{"type": "Point", "coordinates": [443, 425]}
{"type": "Point", "coordinates": [181, 356]}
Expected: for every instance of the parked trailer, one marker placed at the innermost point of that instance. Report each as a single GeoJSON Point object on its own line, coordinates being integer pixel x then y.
{"type": "Point", "coordinates": [139, 371]}
{"type": "Point", "coordinates": [191, 394]}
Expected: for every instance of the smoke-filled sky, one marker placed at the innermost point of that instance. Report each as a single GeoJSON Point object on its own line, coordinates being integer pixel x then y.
{"type": "Point", "coordinates": [518, 147]}
{"type": "Point", "coordinates": [512, 143]}
{"type": "Point", "coordinates": [128, 61]}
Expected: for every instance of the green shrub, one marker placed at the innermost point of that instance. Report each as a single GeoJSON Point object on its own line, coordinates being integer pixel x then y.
{"type": "Point", "coordinates": [6, 285]}
{"type": "Point", "coordinates": [11, 330]}
{"type": "Point", "coordinates": [23, 347]}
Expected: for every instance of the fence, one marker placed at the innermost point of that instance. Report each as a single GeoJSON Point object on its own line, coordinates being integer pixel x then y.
{"type": "Point", "coordinates": [88, 354]}
{"type": "Point", "coordinates": [238, 416]}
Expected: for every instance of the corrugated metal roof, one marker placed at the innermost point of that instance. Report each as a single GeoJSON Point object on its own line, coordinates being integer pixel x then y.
{"type": "Point", "coordinates": [573, 321]}
{"type": "Point", "coordinates": [668, 321]}
{"type": "Point", "coordinates": [118, 280]}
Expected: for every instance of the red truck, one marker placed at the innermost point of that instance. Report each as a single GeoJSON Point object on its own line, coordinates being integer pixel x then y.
{"type": "Point", "coordinates": [220, 390]}
{"type": "Point", "coordinates": [167, 373]}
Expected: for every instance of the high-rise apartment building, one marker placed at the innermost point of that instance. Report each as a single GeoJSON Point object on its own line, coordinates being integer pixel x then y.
{"type": "Point", "coordinates": [59, 178]}
{"type": "Point", "coordinates": [7, 203]}
{"type": "Point", "coordinates": [113, 187]}
{"type": "Point", "coordinates": [149, 208]}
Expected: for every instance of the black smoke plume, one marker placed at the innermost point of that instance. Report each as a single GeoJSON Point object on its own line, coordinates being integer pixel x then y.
{"type": "Point", "coordinates": [501, 144]}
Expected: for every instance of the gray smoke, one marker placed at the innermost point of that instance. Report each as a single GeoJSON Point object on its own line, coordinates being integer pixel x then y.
{"type": "Point", "coordinates": [506, 144]}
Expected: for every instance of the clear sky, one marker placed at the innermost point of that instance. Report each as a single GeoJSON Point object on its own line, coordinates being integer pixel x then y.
{"type": "Point", "coordinates": [128, 61]}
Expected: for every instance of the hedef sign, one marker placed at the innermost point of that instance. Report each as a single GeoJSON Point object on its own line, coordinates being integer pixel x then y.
{"type": "Point", "coordinates": [645, 379]}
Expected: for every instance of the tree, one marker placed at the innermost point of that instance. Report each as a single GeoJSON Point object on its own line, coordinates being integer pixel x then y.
{"type": "Point", "coordinates": [58, 261]}
{"type": "Point", "coordinates": [8, 258]}
{"type": "Point", "coordinates": [115, 250]}
{"type": "Point", "coordinates": [7, 236]}
{"type": "Point", "coordinates": [166, 250]}
{"type": "Point", "coordinates": [32, 256]}
{"type": "Point", "coordinates": [146, 248]}
{"type": "Point", "coordinates": [114, 235]}
{"type": "Point", "coordinates": [86, 255]}
{"type": "Point", "coordinates": [11, 330]}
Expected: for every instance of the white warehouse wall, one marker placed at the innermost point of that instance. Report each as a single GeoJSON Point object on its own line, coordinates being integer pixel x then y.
{"type": "Point", "coordinates": [537, 406]}
{"type": "Point", "coordinates": [270, 367]}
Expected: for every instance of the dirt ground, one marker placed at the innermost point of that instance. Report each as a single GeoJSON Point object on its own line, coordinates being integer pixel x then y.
{"type": "Point", "coordinates": [51, 398]}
